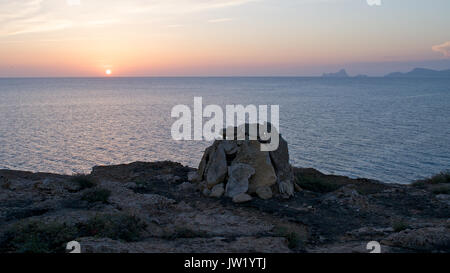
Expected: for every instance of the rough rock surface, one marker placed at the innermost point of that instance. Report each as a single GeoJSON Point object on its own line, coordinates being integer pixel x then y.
{"type": "Point", "coordinates": [242, 198]}
{"type": "Point", "coordinates": [264, 192]}
{"type": "Point", "coordinates": [238, 179]}
{"type": "Point", "coordinates": [285, 174]}
{"type": "Point", "coordinates": [331, 214]}
{"type": "Point", "coordinates": [250, 153]}
{"type": "Point", "coordinates": [217, 191]}
{"type": "Point", "coordinates": [270, 169]}
{"type": "Point", "coordinates": [187, 245]}
{"type": "Point", "coordinates": [429, 239]}
{"type": "Point", "coordinates": [216, 170]}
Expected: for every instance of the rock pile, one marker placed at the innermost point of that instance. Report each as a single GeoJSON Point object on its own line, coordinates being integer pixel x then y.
{"type": "Point", "coordinates": [239, 169]}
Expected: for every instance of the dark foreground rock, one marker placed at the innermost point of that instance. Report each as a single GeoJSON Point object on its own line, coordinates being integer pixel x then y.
{"type": "Point", "coordinates": [152, 207]}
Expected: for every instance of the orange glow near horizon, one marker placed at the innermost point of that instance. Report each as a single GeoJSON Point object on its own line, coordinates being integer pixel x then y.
{"type": "Point", "coordinates": [221, 37]}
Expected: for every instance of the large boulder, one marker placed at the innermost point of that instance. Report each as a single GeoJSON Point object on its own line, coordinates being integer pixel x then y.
{"type": "Point", "coordinates": [285, 173]}
{"type": "Point", "coordinates": [250, 153]}
{"type": "Point", "coordinates": [244, 168]}
{"type": "Point", "coordinates": [217, 191]}
{"type": "Point", "coordinates": [216, 170]}
{"type": "Point", "coordinates": [238, 179]}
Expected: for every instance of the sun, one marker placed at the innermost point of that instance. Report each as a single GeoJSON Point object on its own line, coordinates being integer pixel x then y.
{"type": "Point", "coordinates": [108, 72]}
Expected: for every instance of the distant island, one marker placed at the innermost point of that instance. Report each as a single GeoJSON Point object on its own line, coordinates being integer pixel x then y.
{"type": "Point", "coordinates": [340, 74]}
{"type": "Point", "coordinates": [421, 73]}
{"type": "Point", "coordinates": [415, 73]}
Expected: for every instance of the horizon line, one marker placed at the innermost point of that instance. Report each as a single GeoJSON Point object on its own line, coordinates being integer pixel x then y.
{"type": "Point", "coordinates": [216, 76]}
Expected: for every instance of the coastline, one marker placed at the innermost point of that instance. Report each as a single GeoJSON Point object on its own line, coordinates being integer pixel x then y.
{"type": "Point", "coordinates": [153, 208]}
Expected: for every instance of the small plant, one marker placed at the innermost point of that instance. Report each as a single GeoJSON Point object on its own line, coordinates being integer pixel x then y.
{"type": "Point", "coordinates": [441, 190]}
{"type": "Point", "coordinates": [97, 195]}
{"type": "Point", "coordinates": [442, 178]}
{"type": "Point", "coordinates": [42, 237]}
{"type": "Point", "coordinates": [115, 226]}
{"type": "Point", "coordinates": [84, 181]}
{"type": "Point", "coordinates": [293, 240]}
{"type": "Point", "coordinates": [140, 182]}
{"type": "Point", "coordinates": [316, 184]}
{"type": "Point", "coordinates": [292, 237]}
{"type": "Point", "coordinates": [400, 226]}
{"type": "Point", "coordinates": [37, 237]}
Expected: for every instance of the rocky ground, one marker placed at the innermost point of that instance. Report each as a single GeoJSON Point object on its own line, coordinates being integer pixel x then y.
{"type": "Point", "coordinates": [152, 207]}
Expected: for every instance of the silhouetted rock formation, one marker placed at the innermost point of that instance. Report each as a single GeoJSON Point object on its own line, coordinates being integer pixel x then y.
{"type": "Point", "coordinates": [421, 73]}
{"type": "Point", "coordinates": [341, 74]}
{"type": "Point", "coordinates": [241, 167]}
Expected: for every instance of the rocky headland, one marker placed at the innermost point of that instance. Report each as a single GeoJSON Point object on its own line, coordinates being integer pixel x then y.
{"type": "Point", "coordinates": [239, 200]}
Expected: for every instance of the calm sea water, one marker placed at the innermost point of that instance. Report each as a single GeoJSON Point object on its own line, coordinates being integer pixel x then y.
{"type": "Point", "coordinates": [394, 130]}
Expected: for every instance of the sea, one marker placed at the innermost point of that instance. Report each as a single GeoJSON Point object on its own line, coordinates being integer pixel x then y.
{"type": "Point", "coordinates": [395, 130]}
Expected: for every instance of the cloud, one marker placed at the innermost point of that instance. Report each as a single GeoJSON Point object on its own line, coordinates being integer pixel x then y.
{"type": "Point", "coordinates": [11, 10]}
{"type": "Point", "coordinates": [220, 20]}
{"type": "Point", "coordinates": [443, 48]}
{"type": "Point", "coordinates": [27, 16]}
{"type": "Point", "coordinates": [184, 5]}
{"type": "Point", "coordinates": [32, 16]}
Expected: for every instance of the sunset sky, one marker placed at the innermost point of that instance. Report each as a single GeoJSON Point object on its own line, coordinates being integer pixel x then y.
{"type": "Point", "coordinates": [46, 38]}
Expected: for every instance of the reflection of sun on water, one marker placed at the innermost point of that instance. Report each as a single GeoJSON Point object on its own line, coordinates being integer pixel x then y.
{"type": "Point", "coordinates": [108, 72]}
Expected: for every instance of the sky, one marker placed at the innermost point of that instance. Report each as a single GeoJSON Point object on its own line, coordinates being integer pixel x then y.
{"type": "Point", "coordinates": [80, 38]}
